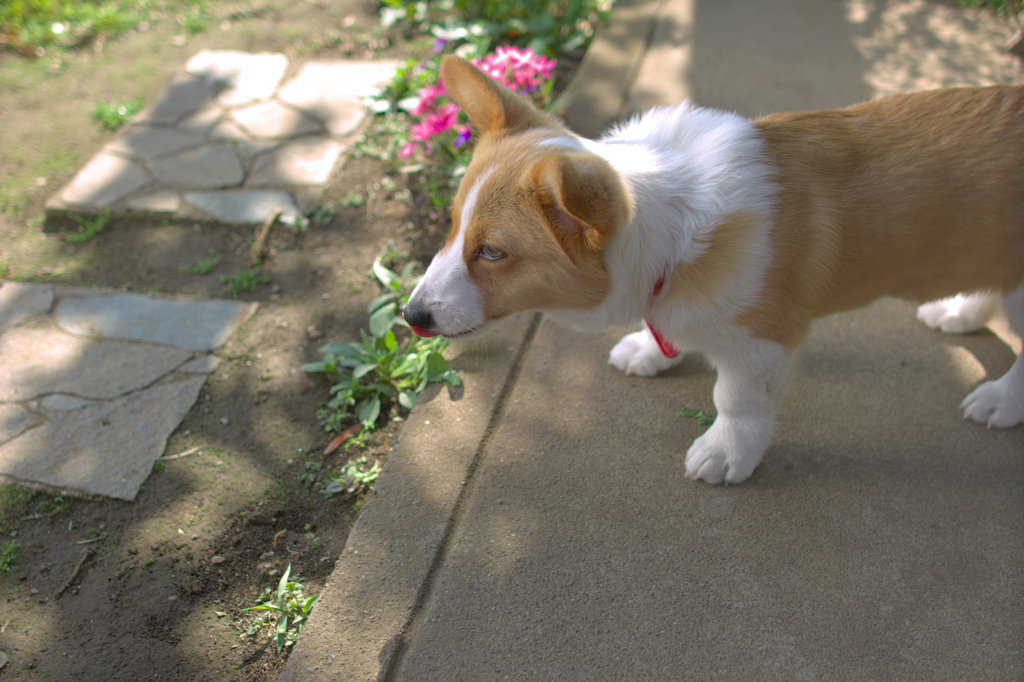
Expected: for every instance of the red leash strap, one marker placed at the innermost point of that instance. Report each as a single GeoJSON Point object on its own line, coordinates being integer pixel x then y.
{"type": "Point", "coordinates": [667, 349]}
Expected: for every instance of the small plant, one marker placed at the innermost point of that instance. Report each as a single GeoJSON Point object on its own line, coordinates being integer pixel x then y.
{"type": "Point", "coordinates": [246, 280]}
{"type": "Point", "coordinates": [30, 27]}
{"type": "Point", "coordinates": [378, 369]}
{"type": "Point", "coordinates": [204, 266]}
{"type": "Point", "coordinates": [311, 473]}
{"type": "Point", "coordinates": [5, 270]}
{"type": "Point", "coordinates": [8, 555]}
{"type": "Point", "coordinates": [87, 229]}
{"type": "Point", "coordinates": [113, 115]}
{"type": "Point", "coordinates": [438, 143]}
{"type": "Point", "coordinates": [323, 214]}
{"type": "Point", "coordinates": [292, 608]}
{"type": "Point", "coordinates": [702, 418]}
{"type": "Point", "coordinates": [355, 477]}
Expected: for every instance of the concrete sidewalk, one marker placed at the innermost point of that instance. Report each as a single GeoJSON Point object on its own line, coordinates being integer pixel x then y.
{"type": "Point", "coordinates": [538, 524]}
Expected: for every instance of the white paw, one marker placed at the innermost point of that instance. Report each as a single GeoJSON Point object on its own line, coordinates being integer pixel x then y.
{"type": "Point", "coordinates": [638, 354]}
{"type": "Point", "coordinates": [719, 456]}
{"type": "Point", "coordinates": [959, 314]}
{"type": "Point", "coordinates": [998, 404]}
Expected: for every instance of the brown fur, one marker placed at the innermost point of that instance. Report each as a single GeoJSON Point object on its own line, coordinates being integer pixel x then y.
{"type": "Point", "coordinates": [919, 196]}
{"type": "Point", "coordinates": [576, 197]}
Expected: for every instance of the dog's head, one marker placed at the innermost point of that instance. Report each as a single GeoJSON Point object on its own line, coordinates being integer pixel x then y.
{"type": "Point", "coordinates": [529, 221]}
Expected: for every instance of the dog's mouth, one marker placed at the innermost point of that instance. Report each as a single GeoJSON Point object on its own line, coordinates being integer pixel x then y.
{"type": "Point", "coordinates": [428, 333]}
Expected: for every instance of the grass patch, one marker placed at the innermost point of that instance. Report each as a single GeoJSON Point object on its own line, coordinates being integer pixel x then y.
{"type": "Point", "coordinates": [30, 27]}
{"type": "Point", "coordinates": [246, 280]}
{"type": "Point", "coordinates": [113, 115]}
{"type": "Point", "coordinates": [14, 501]}
{"type": "Point", "coordinates": [8, 555]}
{"type": "Point", "coordinates": [87, 229]}
{"type": "Point", "coordinates": [205, 266]}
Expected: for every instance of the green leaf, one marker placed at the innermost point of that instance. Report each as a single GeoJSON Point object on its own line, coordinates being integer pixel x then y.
{"type": "Point", "coordinates": [385, 276]}
{"type": "Point", "coordinates": [381, 321]}
{"type": "Point", "coordinates": [313, 367]}
{"type": "Point", "coordinates": [407, 399]}
{"type": "Point", "coordinates": [436, 364]}
{"type": "Point", "coordinates": [362, 370]}
{"type": "Point", "coordinates": [452, 377]}
{"type": "Point", "coordinates": [376, 303]}
{"type": "Point", "coordinates": [368, 411]}
{"type": "Point", "coordinates": [390, 342]}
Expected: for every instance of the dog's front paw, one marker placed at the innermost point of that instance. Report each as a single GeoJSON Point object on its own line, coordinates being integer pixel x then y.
{"type": "Point", "coordinates": [638, 353]}
{"type": "Point", "coordinates": [959, 314]}
{"type": "Point", "coordinates": [998, 404]}
{"type": "Point", "coordinates": [718, 456]}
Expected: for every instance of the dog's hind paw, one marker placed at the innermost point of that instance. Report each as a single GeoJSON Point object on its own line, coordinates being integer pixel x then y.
{"type": "Point", "coordinates": [638, 353]}
{"type": "Point", "coordinates": [996, 404]}
{"type": "Point", "coordinates": [959, 314]}
{"type": "Point", "coordinates": [716, 458]}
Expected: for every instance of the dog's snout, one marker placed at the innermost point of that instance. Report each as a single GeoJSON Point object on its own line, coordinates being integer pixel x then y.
{"type": "Point", "coordinates": [419, 318]}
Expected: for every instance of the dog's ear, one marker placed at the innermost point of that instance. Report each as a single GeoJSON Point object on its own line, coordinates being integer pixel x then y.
{"type": "Point", "coordinates": [582, 197]}
{"type": "Point", "coordinates": [490, 105]}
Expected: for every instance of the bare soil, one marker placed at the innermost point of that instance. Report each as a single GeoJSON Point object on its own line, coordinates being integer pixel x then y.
{"type": "Point", "coordinates": [161, 594]}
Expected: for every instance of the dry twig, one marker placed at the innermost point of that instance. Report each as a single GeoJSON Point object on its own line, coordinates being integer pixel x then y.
{"type": "Point", "coordinates": [260, 245]}
{"type": "Point", "coordinates": [74, 574]}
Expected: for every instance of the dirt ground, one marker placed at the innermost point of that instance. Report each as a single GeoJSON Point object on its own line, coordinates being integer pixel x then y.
{"type": "Point", "coordinates": [150, 601]}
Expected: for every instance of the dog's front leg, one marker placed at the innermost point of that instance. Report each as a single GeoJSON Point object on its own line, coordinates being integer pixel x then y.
{"type": "Point", "coordinates": [752, 378]}
{"type": "Point", "coordinates": [638, 353]}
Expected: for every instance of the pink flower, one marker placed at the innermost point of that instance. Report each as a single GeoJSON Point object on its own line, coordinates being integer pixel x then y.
{"type": "Point", "coordinates": [518, 69]}
{"type": "Point", "coordinates": [408, 150]}
{"type": "Point", "coordinates": [428, 97]}
{"type": "Point", "coordinates": [436, 122]}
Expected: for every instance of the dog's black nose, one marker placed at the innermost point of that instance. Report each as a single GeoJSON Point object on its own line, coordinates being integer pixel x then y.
{"type": "Point", "coordinates": [418, 316]}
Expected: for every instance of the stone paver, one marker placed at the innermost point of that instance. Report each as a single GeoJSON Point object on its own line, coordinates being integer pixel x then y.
{"type": "Point", "coordinates": [20, 301]}
{"type": "Point", "coordinates": [214, 165]}
{"type": "Point", "coordinates": [303, 162]}
{"type": "Point", "coordinates": [104, 181]}
{"type": "Point", "coordinates": [210, 131]}
{"type": "Point", "coordinates": [84, 449]}
{"type": "Point", "coordinates": [93, 383]}
{"type": "Point", "coordinates": [246, 206]}
{"type": "Point", "coordinates": [15, 419]}
{"type": "Point", "coordinates": [34, 361]}
{"type": "Point", "coordinates": [192, 324]}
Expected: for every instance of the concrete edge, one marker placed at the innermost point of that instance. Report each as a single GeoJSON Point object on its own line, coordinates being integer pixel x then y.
{"type": "Point", "coordinates": [383, 576]}
{"type": "Point", "coordinates": [603, 82]}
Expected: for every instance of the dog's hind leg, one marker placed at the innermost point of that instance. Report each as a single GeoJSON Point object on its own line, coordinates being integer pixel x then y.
{"type": "Point", "coordinates": [960, 314]}
{"type": "Point", "coordinates": [1000, 403]}
{"type": "Point", "coordinates": [638, 353]}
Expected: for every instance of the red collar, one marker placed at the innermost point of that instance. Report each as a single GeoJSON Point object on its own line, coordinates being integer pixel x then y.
{"type": "Point", "coordinates": [667, 349]}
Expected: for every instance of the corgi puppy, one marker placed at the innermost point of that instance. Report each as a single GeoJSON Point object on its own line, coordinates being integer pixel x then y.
{"type": "Point", "coordinates": [727, 236]}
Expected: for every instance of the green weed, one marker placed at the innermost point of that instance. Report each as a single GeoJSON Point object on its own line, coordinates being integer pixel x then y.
{"type": "Point", "coordinates": [87, 229]}
{"type": "Point", "coordinates": [14, 500]}
{"type": "Point", "coordinates": [113, 115]}
{"type": "Point", "coordinates": [32, 26]}
{"type": "Point", "coordinates": [204, 266]}
{"type": "Point", "coordinates": [246, 280]}
{"type": "Point", "coordinates": [355, 477]}
{"type": "Point", "coordinates": [8, 555]}
{"type": "Point", "coordinates": [702, 418]}
{"type": "Point", "coordinates": [378, 369]}
{"type": "Point", "coordinates": [292, 608]}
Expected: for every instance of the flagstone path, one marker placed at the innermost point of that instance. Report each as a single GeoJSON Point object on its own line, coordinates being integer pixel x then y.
{"type": "Point", "coordinates": [92, 383]}
{"type": "Point", "coordinates": [226, 141]}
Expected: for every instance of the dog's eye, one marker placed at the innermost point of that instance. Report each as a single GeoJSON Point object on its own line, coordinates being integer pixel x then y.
{"type": "Point", "coordinates": [489, 253]}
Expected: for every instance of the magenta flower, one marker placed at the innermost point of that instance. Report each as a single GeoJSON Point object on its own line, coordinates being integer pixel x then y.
{"type": "Point", "coordinates": [428, 97]}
